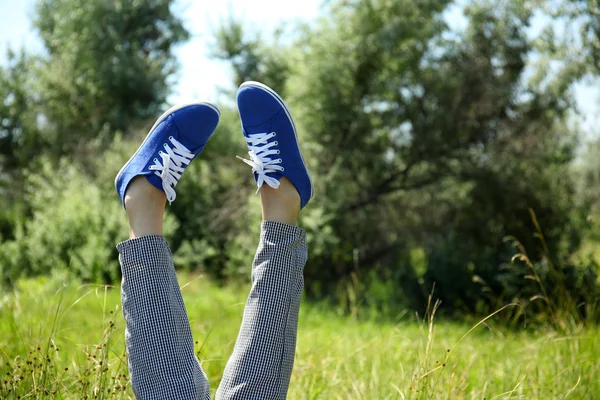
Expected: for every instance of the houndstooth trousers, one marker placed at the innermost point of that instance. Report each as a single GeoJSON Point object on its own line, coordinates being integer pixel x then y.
{"type": "Point", "coordinates": [160, 348]}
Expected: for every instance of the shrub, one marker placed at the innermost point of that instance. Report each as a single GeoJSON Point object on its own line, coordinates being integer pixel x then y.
{"type": "Point", "coordinates": [74, 223]}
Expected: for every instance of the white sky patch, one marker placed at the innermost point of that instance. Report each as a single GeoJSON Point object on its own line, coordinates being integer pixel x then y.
{"type": "Point", "coordinates": [199, 76]}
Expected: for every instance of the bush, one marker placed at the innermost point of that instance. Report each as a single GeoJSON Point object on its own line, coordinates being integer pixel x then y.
{"type": "Point", "coordinates": [74, 223]}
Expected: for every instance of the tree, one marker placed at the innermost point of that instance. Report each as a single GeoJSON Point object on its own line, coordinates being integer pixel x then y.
{"type": "Point", "coordinates": [105, 67]}
{"type": "Point", "coordinates": [420, 137]}
{"type": "Point", "coordinates": [104, 70]}
{"type": "Point", "coordinates": [18, 128]}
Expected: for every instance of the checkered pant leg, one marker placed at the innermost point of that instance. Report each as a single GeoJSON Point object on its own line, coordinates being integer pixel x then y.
{"type": "Point", "coordinates": [263, 357]}
{"type": "Point", "coordinates": [162, 363]}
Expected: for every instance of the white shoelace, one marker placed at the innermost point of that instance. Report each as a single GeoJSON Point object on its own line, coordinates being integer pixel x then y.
{"type": "Point", "coordinates": [260, 161]}
{"type": "Point", "coordinates": [174, 161]}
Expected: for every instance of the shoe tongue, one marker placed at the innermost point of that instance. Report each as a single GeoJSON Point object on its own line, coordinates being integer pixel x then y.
{"type": "Point", "coordinates": [194, 125]}
{"type": "Point", "coordinates": [192, 142]}
{"type": "Point", "coordinates": [262, 127]}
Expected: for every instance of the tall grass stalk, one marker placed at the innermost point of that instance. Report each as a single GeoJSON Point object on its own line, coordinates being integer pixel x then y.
{"type": "Point", "coordinates": [559, 305]}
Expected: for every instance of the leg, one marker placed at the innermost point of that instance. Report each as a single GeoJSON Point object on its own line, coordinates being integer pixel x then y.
{"type": "Point", "coordinates": [262, 361]}
{"type": "Point", "coordinates": [160, 348]}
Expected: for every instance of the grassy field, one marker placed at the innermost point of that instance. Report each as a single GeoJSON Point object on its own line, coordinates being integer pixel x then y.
{"type": "Point", "coordinates": [67, 343]}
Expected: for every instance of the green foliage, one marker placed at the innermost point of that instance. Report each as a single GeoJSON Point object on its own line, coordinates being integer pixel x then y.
{"type": "Point", "coordinates": [19, 136]}
{"type": "Point", "coordinates": [74, 224]}
{"type": "Point", "coordinates": [114, 70]}
{"type": "Point", "coordinates": [419, 136]}
{"type": "Point", "coordinates": [249, 57]}
{"type": "Point", "coordinates": [105, 67]}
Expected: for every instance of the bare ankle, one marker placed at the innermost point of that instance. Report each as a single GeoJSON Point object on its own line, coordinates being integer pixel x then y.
{"type": "Point", "coordinates": [145, 205]}
{"type": "Point", "coordinates": [282, 204]}
{"type": "Point", "coordinates": [140, 191]}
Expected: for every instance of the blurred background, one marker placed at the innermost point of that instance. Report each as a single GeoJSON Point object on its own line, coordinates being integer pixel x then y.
{"type": "Point", "coordinates": [454, 145]}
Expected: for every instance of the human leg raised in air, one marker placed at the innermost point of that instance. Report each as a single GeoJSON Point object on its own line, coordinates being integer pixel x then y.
{"type": "Point", "coordinates": [263, 357]}
{"type": "Point", "coordinates": [160, 348]}
{"type": "Point", "coordinates": [159, 342]}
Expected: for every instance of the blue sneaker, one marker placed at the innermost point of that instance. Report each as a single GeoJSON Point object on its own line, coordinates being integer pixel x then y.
{"type": "Point", "coordinates": [270, 133]}
{"type": "Point", "coordinates": [176, 138]}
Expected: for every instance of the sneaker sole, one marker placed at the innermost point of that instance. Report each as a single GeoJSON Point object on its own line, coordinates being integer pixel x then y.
{"type": "Point", "coordinates": [161, 119]}
{"type": "Point", "coordinates": [267, 89]}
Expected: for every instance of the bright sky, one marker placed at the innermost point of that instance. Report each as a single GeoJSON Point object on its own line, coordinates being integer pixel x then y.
{"type": "Point", "coordinates": [199, 76]}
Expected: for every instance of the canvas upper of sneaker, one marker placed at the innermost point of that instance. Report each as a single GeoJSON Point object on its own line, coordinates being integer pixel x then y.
{"type": "Point", "coordinates": [191, 125]}
{"type": "Point", "coordinates": [263, 111]}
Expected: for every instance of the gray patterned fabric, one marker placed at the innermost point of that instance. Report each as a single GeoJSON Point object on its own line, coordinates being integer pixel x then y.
{"type": "Point", "coordinates": [162, 362]}
{"type": "Point", "coordinates": [160, 348]}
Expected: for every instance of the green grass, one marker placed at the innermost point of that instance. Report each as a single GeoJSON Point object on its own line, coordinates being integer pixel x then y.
{"type": "Point", "coordinates": [67, 343]}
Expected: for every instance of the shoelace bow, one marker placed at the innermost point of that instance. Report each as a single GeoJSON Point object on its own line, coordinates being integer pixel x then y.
{"type": "Point", "coordinates": [174, 161]}
{"type": "Point", "coordinates": [260, 161]}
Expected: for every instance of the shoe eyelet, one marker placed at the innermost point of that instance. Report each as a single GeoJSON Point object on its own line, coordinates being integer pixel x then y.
{"type": "Point", "coordinates": [155, 159]}
{"type": "Point", "coordinates": [280, 160]}
{"type": "Point", "coordinates": [160, 153]}
{"type": "Point", "coordinates": [274, 134]}
{"type": "Point", "coordinates": [282, 169]}
{"type": "Point", "coordinates": [276, 143]}
{"type": "Point", "coordinates": [278, 152]}
{"type": "Point", "coordinates": [170, 137]}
